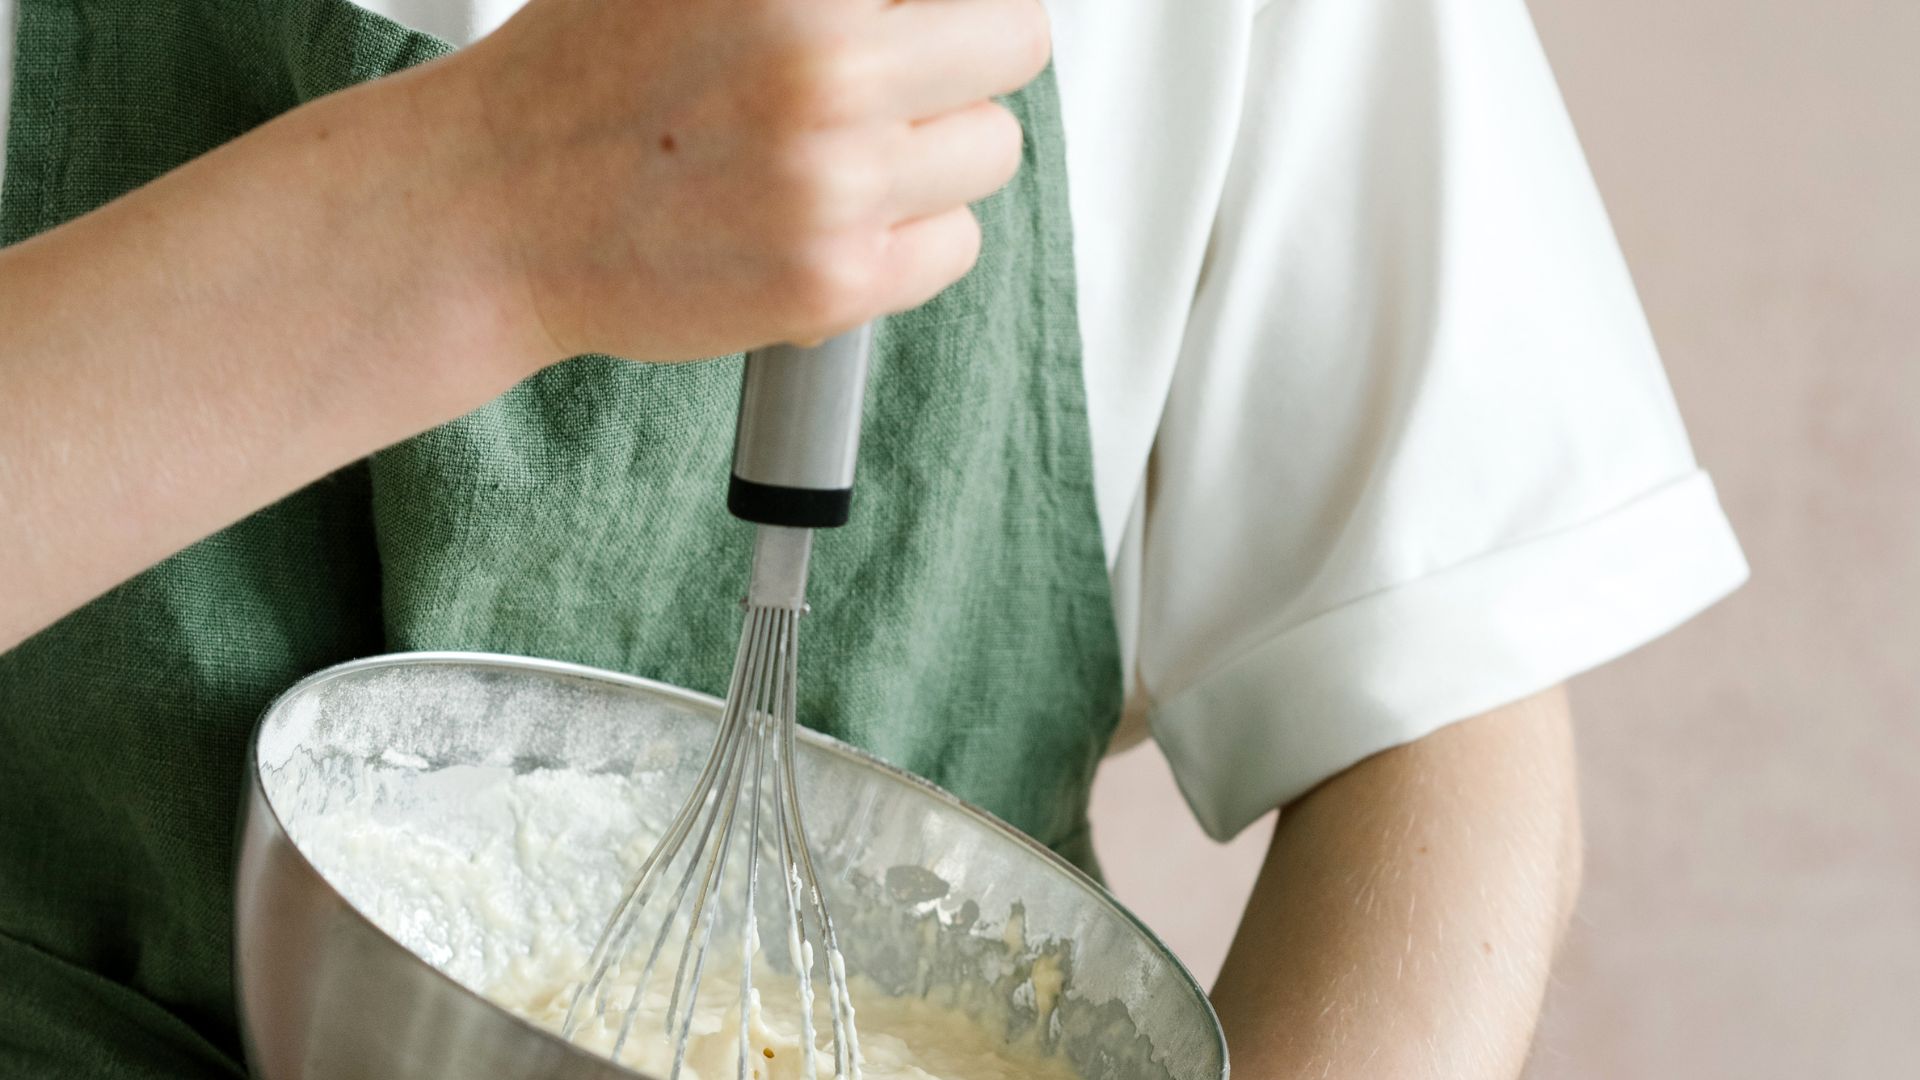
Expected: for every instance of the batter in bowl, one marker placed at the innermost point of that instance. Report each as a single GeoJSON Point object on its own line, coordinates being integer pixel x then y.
{"type": "Point", "coordinates": [502, 880]}
{"type": "Point", "coordinates": [900, 1038]}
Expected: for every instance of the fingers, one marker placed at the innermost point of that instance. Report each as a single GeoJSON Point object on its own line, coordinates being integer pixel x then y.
{"type": "Point", "coordinates": [947, 54]}
{"type": "Point", "coordinates": [859, 276]}
{"type": "Point", "coordinates": [925, 256]}
{"type": "Point", "coordinates": [918, 240]}
{"type": "Point", "coordinates": [889, 134]}
{"type": "Point", "coordinates": [956, 159]}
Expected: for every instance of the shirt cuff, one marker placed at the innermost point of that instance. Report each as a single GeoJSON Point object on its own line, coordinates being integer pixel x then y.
{"type": "Point", "coordinates": [1394, 666]}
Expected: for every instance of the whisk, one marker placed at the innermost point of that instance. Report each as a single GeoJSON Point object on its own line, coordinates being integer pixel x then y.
{"type": "Point", "coordinates": [794, 450]}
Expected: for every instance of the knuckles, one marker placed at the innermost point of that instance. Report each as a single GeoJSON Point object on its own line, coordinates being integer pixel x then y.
{"type": "Point", "coordinates": [816, 81]}
{"type": "Point", "coordinates": [832, 282]}
{"type": "Point", "coordinates": [818, 183]}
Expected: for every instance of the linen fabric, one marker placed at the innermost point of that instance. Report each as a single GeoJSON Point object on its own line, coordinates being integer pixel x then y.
{"type": "Point", "coordinates": [961, 624]}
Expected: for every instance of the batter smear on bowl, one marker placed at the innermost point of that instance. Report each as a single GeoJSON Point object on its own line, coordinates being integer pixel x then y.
{"type": "Point", "coordinates": [502, 881]}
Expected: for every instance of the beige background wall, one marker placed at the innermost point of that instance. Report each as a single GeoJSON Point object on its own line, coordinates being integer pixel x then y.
{"type": "Point", "coordinates": [1752, 782]}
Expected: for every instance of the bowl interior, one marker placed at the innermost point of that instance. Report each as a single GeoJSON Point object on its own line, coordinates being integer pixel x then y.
{"type": "Point", "coordinates": [931, 896]}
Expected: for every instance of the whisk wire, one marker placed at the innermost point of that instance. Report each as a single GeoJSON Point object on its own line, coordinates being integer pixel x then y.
{"type": "Point", "coordinates": [747, 930]}
{"type": "Point", "coordinates": [626, 916]}
{"type": "Point", "coordinates": [701, 922]}
{"type": "Point", "coordinates": [846, 1049]}
{"type": "Point", "coordinates": [737, 720]}
{"type": "Point", "coordinates": [756, 747]}
{"type": "Point", "coordinates": [711, 806]}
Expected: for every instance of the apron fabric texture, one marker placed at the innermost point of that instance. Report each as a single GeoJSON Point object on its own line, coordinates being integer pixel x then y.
{"type": "Point", "coordinates": [962, 627]}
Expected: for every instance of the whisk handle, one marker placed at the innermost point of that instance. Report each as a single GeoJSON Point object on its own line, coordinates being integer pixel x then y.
{"type": "Point", "coordinates": [799, 432]}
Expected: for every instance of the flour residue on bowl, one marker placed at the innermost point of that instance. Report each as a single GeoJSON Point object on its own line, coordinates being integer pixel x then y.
{"type": "Point", "coordinates": [502, 881]}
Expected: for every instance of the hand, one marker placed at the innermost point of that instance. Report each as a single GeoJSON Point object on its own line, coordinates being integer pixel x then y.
{"type": "Point", "coordinates": [673, 179]}
{"type": "Point", "coordinates": [658, 179]}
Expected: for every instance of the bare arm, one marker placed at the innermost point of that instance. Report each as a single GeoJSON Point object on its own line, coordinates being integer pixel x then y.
{"type": "Point", "coordinates": [189, 353]}
{"type": "Point", "coordinates": [659, 179]}
{"type": "Point", "coordinates": [1407, 915]}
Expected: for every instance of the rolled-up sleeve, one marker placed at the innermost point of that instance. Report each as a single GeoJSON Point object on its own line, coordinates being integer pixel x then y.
{"type": "Point", "coordinates": [1419, 458]}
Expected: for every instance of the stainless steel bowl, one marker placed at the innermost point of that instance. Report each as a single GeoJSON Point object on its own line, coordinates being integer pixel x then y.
{"type": "Point", "coordinates": [931, 892]}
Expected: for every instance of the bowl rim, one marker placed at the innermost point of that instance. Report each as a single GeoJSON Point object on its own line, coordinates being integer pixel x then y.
{"type": "Point", "coordinates": [705, 703]}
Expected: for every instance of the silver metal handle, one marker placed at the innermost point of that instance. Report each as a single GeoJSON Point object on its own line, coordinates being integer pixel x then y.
{"type": "Point", "coordinates": [799, 432]}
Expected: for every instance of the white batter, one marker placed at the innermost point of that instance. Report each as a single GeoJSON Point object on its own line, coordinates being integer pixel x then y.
{"type": "Point", "coordinates": [502, 883]}
{"type": "Point", "coordinates": [900, 1038]}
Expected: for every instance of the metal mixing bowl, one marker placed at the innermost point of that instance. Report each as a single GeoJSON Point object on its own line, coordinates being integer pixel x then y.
{"type": "Point", "coordinates": [929, 891]}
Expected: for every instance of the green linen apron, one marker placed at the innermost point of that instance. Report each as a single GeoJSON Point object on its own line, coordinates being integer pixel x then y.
{"type": "Point", "coordinates": [962, 626]}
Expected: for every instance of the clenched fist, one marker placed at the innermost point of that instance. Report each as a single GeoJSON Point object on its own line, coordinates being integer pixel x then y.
{"type": "Point", "coordinates": [673, 179]}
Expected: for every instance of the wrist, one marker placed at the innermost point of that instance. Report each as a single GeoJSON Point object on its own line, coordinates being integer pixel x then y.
{"type": "Point", "coordinates": [433, 238]}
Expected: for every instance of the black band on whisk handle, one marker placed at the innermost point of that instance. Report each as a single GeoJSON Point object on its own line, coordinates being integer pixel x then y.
{"type": "Point", "coordinates": [799, 432]}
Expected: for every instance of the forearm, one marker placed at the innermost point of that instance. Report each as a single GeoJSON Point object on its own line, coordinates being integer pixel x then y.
{"type": "Point", "coordinates": [1406, 918]}
{"type": "Point", "coordinates": [220, 337]}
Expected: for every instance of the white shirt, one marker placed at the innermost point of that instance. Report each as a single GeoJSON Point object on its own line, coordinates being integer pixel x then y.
{"type": "Point", "coordinates": [1381, 440]}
